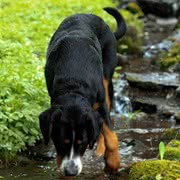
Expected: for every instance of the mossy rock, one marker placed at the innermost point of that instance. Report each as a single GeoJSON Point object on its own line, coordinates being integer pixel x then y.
{"type": "Point", "coordinates": [155, 170]}
{"type": "Point", "coordinates": [170, 58]}
{"type": "Point", "coordinates": [170, 134]}
{"type": "Point", "coordinates": [172, 150]}
{"type": "Point", "coordinates": [131, 43]}
{"type": "Point", "coordinates": [134, 8]}
{"type": "Point", "coordinates": [177, 116]}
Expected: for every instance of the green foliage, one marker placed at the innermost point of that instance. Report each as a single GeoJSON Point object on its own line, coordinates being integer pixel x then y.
{"type": "Point", "coordinates": [22, 97]}
{"type": "Point", "coordinates": [161, 150]}
{"type": "Point", "coordinates": [172, 150]}
{"type": "Point", "coordinates": [132, 41]}
{"type": "Point", "coordinates": [116, 72]}
{"type": "Point", "coordinates": [158, 177]}
{"type": "Point", "coordinates": [170, 58]}
{"type": "Point", "coordinates": [134, 8]}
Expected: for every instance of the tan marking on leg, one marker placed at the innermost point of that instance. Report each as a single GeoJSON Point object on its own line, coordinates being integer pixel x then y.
{"type": "Point", "coordinates": [110, 137]}
{"type": "Point", "coordinates": [100, 145]}
{"type": "Point", "coordinates": [112, 158]}
{"type": "Point", "coordinates": [108, 101]}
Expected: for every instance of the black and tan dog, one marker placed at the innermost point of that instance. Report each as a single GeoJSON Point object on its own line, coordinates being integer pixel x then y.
{"type": "Point", "coordinates": [81, 58]}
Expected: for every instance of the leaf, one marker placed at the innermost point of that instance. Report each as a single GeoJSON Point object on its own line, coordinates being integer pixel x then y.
{"type": "Point", "coordinates": [161, 150]}
{"type": "Point", "coordinates": [158, 177]}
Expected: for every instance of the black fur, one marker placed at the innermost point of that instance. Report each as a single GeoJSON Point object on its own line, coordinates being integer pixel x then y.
{"type": "Point", "coordinates": [81, 52]}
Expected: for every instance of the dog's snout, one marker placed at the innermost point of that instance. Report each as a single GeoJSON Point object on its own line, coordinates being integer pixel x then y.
{"type": "Point", "coordinates": [71, 169]}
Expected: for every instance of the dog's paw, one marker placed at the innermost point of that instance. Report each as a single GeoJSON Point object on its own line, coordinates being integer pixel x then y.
{"type": "Point", "coordinates": [112, 161]}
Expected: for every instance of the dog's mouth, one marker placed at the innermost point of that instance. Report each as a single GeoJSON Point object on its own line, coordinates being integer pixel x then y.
{"type": "Point", "coordinates": [70, 166]}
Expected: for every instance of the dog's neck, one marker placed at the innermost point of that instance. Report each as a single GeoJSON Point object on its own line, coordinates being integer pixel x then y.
{"type": "Point", "coordinates": [68, 86]}
{"type": "Point", "coordinates": [70, 99]}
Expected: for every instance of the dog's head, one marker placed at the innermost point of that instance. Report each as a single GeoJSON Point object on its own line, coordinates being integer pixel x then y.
{"type": "Point", "coordinates": [72, 130]}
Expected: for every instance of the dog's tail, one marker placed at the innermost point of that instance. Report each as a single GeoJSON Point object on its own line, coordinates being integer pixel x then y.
{"type": "Point", "coordinates": [121, 25]}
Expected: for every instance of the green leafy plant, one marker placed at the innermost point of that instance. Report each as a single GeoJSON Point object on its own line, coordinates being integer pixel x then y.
{"type": "Point", "coordinates": [158, 177]}
{"type": "Point", "coordinates": [161, 150]}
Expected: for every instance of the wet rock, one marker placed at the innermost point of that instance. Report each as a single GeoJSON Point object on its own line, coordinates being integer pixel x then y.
{"type": "Point", "coordinates": [175, 68]}
{"type": "Point", "coordinates": [172, 150]}
{"type": "Point", "coordinates": [155, 105]}
{"type": "Point", "coordinates": [23, 161]}
{"type": "Point", "coordinates": [163, 8]}
{"type": "Point", "coordinates": [152, 169]}
{"type": "Point", "coordinates": [140, 104]}
{"type": "Point", "coordinates": [177, 117]}
{"type": "Point", "coordinates": [122, 60]}
{"type": "Point", "coordinates": [165, 46]}
{"type": "Point", "coordinates": [178, 92]}
{"type": "Point", "coordinates": [153, 80]}
{"type": "Point", "coordinates": [41, 151]}
{"type": "Point", "coordinates": [154, 92]}
{"type": "Point", "coordinates": [139, 116]}
{"type": "Point", "coordinates": [170, 23]}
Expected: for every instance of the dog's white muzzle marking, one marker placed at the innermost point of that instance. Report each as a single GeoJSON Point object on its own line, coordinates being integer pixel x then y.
{"type": "Point", "coordinates": [72, 165]}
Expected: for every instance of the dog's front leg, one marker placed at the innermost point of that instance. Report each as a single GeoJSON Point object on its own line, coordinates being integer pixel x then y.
{"type": "Point", "coordinates": [111, 156]}
{"type": "Point", "coordinates": [108, 146]}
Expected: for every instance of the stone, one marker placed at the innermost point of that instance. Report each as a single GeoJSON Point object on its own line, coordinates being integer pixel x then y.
{"type": "Point", "coordinates": [161, 8]}
{"type": "Point", "coordinates": [153, 80]}
{"type": "Point", "coordinates": [177, 116]}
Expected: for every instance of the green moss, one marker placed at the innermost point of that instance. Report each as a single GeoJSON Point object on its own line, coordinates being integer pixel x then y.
{"type": "Point", "coordinates": [134, 8]}
{"type": "Point", "coordinates": [154, 169]}
{"type": "Point", "coordinates": [170, 58]}
{"type": "Point", "coordinates": [170, 134]}
{"type": "Point", "coordinates": [174, 143]}
{"type": "Point", "coordinates": [172, 150]}
{"type": "Point", "coordinates": [132, 41]}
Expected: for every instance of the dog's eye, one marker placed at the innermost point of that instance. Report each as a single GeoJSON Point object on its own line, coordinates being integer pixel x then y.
{"type": "Point", "coordinates": [66, 141]}
{"type": "Point", "coordinates": [79, 142]}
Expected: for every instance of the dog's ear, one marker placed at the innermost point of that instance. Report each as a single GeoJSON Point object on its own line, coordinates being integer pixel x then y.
{"type": "Point", "coordinates": [94, 123]}
{"type": "Point", "coordinates": [46, 120]}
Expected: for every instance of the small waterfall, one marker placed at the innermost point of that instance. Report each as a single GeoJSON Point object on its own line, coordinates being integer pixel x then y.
{"type": "Point", "coordinates": [122, 103]}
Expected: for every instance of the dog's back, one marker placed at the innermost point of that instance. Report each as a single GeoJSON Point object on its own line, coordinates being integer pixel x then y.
{"type": "Point", "coordinates": [78, 50]}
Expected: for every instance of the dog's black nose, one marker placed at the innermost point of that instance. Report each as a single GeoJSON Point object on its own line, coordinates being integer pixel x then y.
{"type": "Point", "coordinates": [71, 169]}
